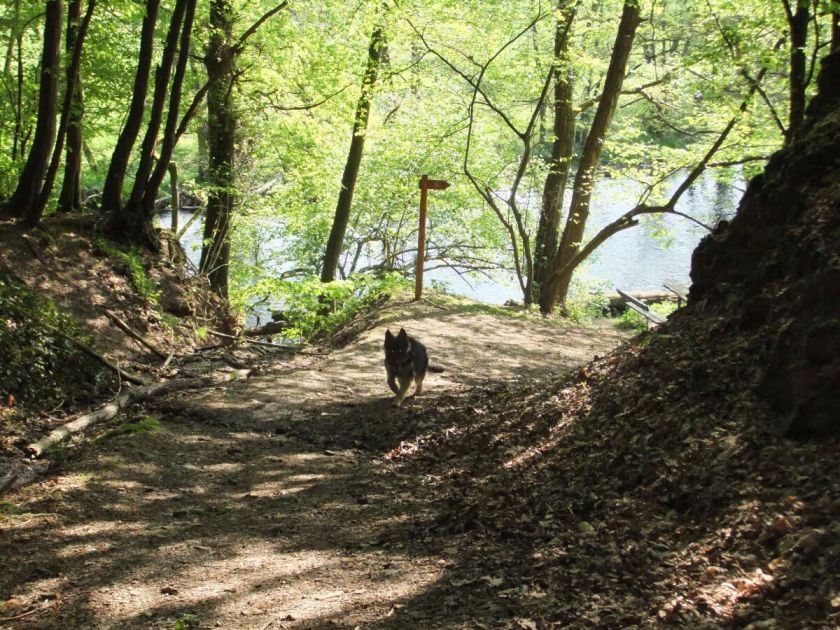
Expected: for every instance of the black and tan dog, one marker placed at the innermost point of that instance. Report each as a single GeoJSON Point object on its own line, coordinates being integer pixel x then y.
{"type": "Point", "coordinates": [406, 359]}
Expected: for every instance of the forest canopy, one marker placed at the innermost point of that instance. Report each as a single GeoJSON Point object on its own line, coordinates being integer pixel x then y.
{"type": "Point", "coordinates": [299, 129]}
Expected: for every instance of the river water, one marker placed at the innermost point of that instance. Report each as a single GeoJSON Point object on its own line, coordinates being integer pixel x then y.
{"type": "Point", "coordinates": [639, 259]}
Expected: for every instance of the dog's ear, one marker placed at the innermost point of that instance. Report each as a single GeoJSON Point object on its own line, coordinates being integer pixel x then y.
{"type": "Point", "coordinates": [403, 335]}
{"type": "Point", "coordinates": [389, 336]}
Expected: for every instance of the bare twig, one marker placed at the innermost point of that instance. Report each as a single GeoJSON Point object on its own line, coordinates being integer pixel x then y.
{"type": "Point", "coordinates": [133, 333]}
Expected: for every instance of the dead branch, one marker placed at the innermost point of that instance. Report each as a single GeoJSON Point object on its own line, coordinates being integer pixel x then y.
{"type": "Point", "coordinates": [131, 378]}
{"type": "Point", "coordinates": [134, 334]}
{"type": "Point", "coordinates": [7, 481]}
{"type": "Point", "coordinates": [271, 328]}
{"type": "Point", "coordinates": [128, 397]}
{"type": "Point", "coordinates": [288, 348]}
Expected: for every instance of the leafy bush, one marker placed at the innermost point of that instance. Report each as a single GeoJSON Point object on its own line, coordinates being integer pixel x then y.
{"type": "Point", "coordinates": [631, 320]}
{"type": "Point", "coordinates": [40, 365]}
{"type": "Point", "coordinates": [133, 260]}
{"type": "Point", "coordinates": [313, 308]}
{"type": "Point", "coordinates": [586, 301]}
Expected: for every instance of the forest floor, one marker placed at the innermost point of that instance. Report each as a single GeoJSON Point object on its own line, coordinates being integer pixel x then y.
{"type": "Point", "coordinates": [275, 501]}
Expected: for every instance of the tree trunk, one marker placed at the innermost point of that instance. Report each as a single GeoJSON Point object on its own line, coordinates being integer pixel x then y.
{"type": "Point", "coordinates": [798, 23]}
{"type": "Point", "coordinates": [16, 43]}
{"type": "Point", "coordinates": [25, 197]}
{"type": "Point", "coordinates": [354, 158]}
{"type": "Point", "coordinates": [562, 149]}
{"type": "Point", "coordinates": [169, 139]}
{"type": "Point", "coordinates": [221, 124]}
{"type": "Point", "coordinates": [70, 197]}
{"type": "Point", "coordinates": [127, 222]}
{"type": "Point", "coordinates": [112, 192]}
{"type": "Point", "coordinates": [8, 58]}
{"type": "Point", "coordinates": [557, 285]}
{"type": "Point", "coordinates": [76, 32]}
{"type": "Point", "coordinates": [175, 204]}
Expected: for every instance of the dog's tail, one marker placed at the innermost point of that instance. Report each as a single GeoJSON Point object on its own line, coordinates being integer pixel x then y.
{"type": "Point", "coordinates": [435, 369]}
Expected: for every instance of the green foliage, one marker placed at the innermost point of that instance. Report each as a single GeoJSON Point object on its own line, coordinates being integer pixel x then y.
{"type": "Point", "coordinates": [186, 621]}
{"type": "Point", "coordinates": [586, 301]}
{"type": "Point", "coordinates": [631, 320]}
{"type": "Point", "coordinates": [296, 99]}
{"type": "Point", "coordinates": [9, 508]}
{"type": "Point", "coordinates": [146, 424]}
{"type": "Point", "coordinates": [39, 367]}
{"type": "Point", "coordinates": [133, 260]}
{"type": "Point", "coordinates": [314, 308]}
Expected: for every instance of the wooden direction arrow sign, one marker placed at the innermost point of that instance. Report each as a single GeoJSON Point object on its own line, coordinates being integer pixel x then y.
{"type": "Point", "coordinates": [426, 185]}
{"type": "Point", "coordinates": [434, 184]}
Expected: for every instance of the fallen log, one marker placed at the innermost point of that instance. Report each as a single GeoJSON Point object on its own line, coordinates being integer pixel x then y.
{"type": "Point", "coordinates": [271, 328]}
{"type": "Point", "coordinates": [128, 397]}
{"type": "Point", "coordinates": [278, 346]}
{"type": "Point", "coordinates": [134, 334]}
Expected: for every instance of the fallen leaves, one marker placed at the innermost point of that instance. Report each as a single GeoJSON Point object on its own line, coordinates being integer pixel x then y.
{"type": "Point", "coordinates": [625, 495]}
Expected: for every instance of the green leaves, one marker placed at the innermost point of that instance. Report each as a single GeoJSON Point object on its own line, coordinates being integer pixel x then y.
{"type": "Point", "coordinates": [38, 366]}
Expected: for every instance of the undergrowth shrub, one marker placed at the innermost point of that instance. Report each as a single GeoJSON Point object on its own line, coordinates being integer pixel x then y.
{"type": "Point", "coordinates": [39, 366]}
{"type": "Point", "coordinates": [132, 259]}
{"type": "Point", "coordinates": [312, 308]}
{"type": "Point", "coordinates": [586, 301]}
{"type": "Point", "coordinates": [631, 320]}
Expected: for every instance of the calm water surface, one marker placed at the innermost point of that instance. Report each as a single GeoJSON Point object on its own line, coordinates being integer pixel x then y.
{"type": "Point", "coordinates": [634, 260]}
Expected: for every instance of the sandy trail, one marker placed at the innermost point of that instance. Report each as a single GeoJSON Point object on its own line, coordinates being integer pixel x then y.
{"type": "Point", "coordinates": [263, 504]}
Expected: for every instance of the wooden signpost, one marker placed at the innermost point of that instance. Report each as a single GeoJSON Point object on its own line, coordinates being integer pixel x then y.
{"type": "Point", "coordinates": [426, 184]}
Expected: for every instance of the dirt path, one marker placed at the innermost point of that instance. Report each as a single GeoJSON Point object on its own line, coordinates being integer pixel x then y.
{"type": "Point", "coordinates": [267, 503]}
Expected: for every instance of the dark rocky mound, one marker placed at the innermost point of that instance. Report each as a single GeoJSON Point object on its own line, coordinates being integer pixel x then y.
{"type": "Point", "coordinates": [773, 274]}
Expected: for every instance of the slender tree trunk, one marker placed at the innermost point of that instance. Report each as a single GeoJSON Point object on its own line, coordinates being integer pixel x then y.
{"type": "Point", "coordinates": [25, 197]}
{"type": "Point", "coordinates": [798, 23]}
{"type": "Point", "coordinates": [835, 29]}
{"type": "Point", "coordinates": [168, 143]}
{"type": "Point", "coordinates": [127, 221]}
{"type": "Point", "coordinates": [221, 124]}
{"type": "Point", "coordinates": [70, 197]}
{"type": "Point", "coordinates": [557, 285]}
{"type": "Point", "coordinates": [15, 43]}
{"type": "Point", "coordinates": [76, 32]}
{"type": "Point", "coordinates": [9, 57]}
{"type": "Point", "coordinates": [354, 158]}
{"type": "Point", "coordinates": [562, 149]}
{"type": "Point", "coordinates": [112, 192]}
{"type": "Point", "coordinates": [200, 132]}
{"type": "Point", "coordinates": [175, 204]}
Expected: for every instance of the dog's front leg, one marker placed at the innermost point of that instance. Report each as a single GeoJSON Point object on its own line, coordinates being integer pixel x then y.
{"type": "Point", "coordinates": [392, 380]}
{"type": "Point", "coordinates": [405, 383]}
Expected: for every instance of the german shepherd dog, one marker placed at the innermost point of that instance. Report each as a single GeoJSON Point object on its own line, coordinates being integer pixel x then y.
{"type": "Point", "coordinates": [406, 359]}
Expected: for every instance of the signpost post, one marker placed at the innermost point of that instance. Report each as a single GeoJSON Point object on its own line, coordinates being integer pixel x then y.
{"type": "Point", "coordinates": [426, 184]}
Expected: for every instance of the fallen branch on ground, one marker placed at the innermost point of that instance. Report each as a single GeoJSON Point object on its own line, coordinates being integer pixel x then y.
{"type": "Point", "coordinates": [271, 328]}
{"type": "Point", "coordinates": [131, 378]}
{"type": "Point", "coordinates": [133, 333]}
{"type": "Point", "coordinates": [128, 397]}
{"type": "Point", "coordinates": [7, 481]}
{"type": "Point", "coordinates": [278, 346]}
